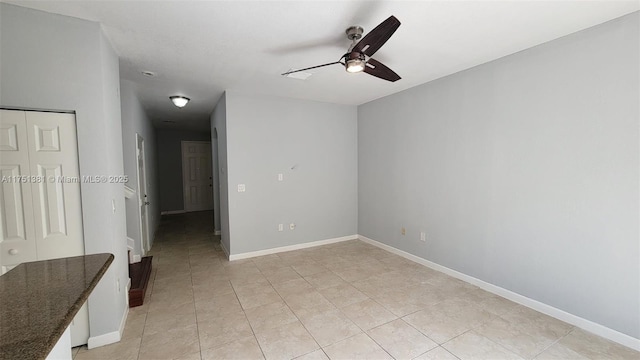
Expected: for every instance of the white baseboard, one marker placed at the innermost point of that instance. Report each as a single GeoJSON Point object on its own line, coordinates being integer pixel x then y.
{"type": "Point", "coordinates": [152, 239]}
{"type": "Point", "coordinates": [136, 259]}
{"type": "Point", "coordinates": [123, 321]}
{"type": "Point", "coordinates": [582, 323]}
{"type": "Point", "coordinates": [104, 339]}
{"type": "Point", "coordinates": [127, 295]}
{"type": "Point", "coordinates": [130, 245]}
{"type": "Point", "coordinates": [112, 337]}
{"type": "Point", "coordinates": [290, 247]}
{"type": "Point", "coordinates": [62, 348]}
{"type": "Point", "coordinates": [226, 251]}
{"type": "Point", "coordinates": [172, 212]}
{"type": "Point", "coordinates": [217, 232]}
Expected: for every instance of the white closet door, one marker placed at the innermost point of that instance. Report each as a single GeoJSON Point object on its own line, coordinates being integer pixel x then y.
{"type": "Point", "coordinates": [40, 198]}
{"type": "Point", "coordinates": [53, 155]}
{"type": "Point", "coordinates": [17, 235]}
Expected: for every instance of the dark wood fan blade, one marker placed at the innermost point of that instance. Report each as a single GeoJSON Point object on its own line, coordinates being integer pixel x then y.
{"type": "Point", "coordinates": [378, 69]}
{"type": "Point", "coordinates": [313, 67]}
{"type": "Point", "coordinates": [374, 40]}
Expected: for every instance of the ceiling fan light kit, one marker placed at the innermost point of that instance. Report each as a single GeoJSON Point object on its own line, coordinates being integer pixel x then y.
{"type": "Point", "coordinates": [358, 57]}
{"type": "Point", "coordinates": [355, 62]}
{"type": "Point", "coordinates": [355, 66]}
{"type": "Point", "coordinates": [179, 101]}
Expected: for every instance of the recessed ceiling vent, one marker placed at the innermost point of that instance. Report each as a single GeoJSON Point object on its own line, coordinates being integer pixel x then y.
{"type": "Point", "coordinates": [299, 75]}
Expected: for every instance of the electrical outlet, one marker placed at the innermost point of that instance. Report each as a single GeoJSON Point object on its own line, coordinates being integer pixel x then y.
{"type": "Point", "coordinates": [280, 227]}
{"type": "Point", "coordinates": [403, 231]}
{"type": "Point", "coordinates": [423, 236]}
{"type": "Point", "coordinates": [242, 188]}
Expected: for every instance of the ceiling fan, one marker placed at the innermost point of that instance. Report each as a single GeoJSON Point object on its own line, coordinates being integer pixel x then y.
{"type": "Point", "coordinates": [358, 57]}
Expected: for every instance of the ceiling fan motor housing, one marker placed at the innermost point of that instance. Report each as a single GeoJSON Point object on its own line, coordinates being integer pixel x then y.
{"type": "Point", "coordinates": [354, 55]}
{"type": "Point", "coordinates": [354, 32]}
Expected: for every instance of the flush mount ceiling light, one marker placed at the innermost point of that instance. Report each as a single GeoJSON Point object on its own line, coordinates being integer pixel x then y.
{"type": "Point", "coordinates": [179, 101]}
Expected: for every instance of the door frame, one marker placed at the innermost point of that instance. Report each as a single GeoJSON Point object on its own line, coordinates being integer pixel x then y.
{"type": "Point", "coordinates": [215, 173]}
{"type": "Point", "coordinates": [142, 193]}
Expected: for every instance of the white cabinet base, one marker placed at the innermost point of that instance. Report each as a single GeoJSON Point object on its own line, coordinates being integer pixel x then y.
{"type": "Point", "coordinates": [62, 349]}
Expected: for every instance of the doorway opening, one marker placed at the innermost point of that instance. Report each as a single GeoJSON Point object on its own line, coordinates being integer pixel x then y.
{"type": "Point", "coordinates": [143, 199]}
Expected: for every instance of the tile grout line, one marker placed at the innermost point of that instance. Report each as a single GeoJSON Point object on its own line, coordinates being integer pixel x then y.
{"type": "Point", "coordinates": [245, 313]}
{"type": "Point", "coordinates": [146, 314]}
{"type": "Point", "coordinates": [288, 307]}
{"type": "Point", "coordinates": [195, 310]}
{"type": "Point", "coordinates": [380, 345]}
{"type": "Point", "coordinates": [337, 308]}
{"type": "Point", "coordinates": [573, 328]}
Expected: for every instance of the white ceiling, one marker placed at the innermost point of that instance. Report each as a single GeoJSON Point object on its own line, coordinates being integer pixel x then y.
{"type": "Point", "coordinates": [201, 48]}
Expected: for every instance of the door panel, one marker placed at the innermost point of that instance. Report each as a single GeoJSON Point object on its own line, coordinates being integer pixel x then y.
{"type": "Point", "coordinates": [17, 240]}
{"type": "Point", "coordinates": [196, 170]}
{"type": "Point", "coordinates": [54, 221]}
{"type": "Point", "coordinates": [13, 226]}
{"type": "Point", "coordinates": [9, 134]}
{"type": "Point", "coordinates": [53, 155]}
{"type": "Point", "coordinates": [47, 138]}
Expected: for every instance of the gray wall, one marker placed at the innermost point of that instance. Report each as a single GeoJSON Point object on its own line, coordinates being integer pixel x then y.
{"type": "Point", "coordinates": [221, 197]}
{"type": "Point", "coordinates": [270, 135]}
{"type": "Point", "coordinates": [135, 121]}
{"type": "Point", "coordinates": [169, 152]}
{"type": "Point", "coordinates": [61, 63]}
{"type": "Point", "coordinates": [522, 171]}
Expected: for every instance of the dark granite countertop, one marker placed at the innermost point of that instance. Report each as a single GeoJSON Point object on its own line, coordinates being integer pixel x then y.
{"type": "Point", "coordinates": [38, 300]}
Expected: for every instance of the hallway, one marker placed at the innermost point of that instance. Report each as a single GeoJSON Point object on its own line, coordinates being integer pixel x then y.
{"type": "Point", "coordinates": [348, 300]}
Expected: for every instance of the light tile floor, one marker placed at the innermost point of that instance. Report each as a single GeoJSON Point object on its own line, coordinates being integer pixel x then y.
{"type": "Point", "coordinates": [348, 300]}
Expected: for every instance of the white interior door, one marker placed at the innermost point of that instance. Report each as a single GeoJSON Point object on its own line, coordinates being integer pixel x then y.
{"type": "Point", "coordinates": [197, 182]}
{"type": "Point", "coordinates": [17, 239]}
{"type": "Point", "coordinates": [41, 207]}
{"type": "Point", "coordinates": [54, 155]}
{"type": "Point", "coordinates": [143, 199]}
